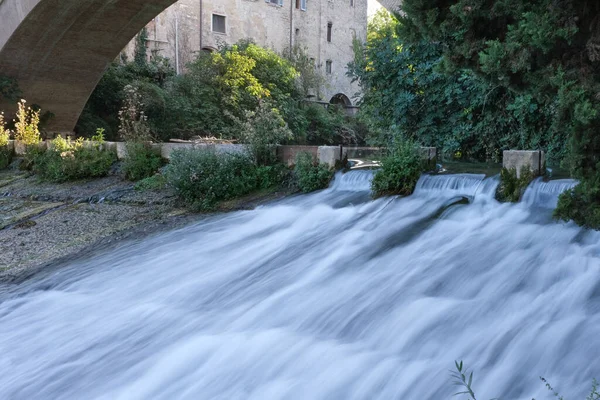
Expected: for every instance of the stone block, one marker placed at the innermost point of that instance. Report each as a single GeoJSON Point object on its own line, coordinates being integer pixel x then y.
{"type": "Point", "coordinates": [328, 155]}
{"type": "Point", "coordinates": [534, 160]}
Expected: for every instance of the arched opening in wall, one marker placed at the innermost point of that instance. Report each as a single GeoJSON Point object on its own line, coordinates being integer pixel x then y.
{"type": "Point", "coordinates": [342, 100]}
{"type": "Point", "coordinates": [208, 49]}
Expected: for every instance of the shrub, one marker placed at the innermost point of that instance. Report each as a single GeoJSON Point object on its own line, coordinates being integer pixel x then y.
{"type": "Point", "coordinates": [581, 204]}
{"type": "Point", "coordinates": [511, 188]}
{"type": "Point", "coordinates": [203, 177]}
{"type": "Point", "coordinates": [262, 131]}
{"type": "Point", "coordinates": [269, 176]}
{"type": "Point", "coordinates": [142, 161]}
{"type": "Point", "coordinates": [133, 123]}
{"type": "Point", "coordinates": [311, 176]}
{"type": "Point", "coordinates": [400, 170]}
{"type": "Point", "coordinates": [155, 182]}
{"type": "Point", "coordinates": [66, 160]}
{"type": "Point", "coordinates": [27, 125]}
{"type": "Point", "coordinates": [5, 151]}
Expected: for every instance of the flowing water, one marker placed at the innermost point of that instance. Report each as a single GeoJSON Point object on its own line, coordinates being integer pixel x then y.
{"type": "Point", "coordinates": [324, 296]}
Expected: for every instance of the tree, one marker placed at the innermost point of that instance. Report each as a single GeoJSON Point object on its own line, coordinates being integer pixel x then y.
{"type": "Point", "coordinates": [408, 93]}
{"type": "Point", "coordinates": [547, 50]}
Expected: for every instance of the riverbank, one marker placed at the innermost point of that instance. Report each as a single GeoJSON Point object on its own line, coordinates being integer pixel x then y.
{"type": "Point", "coordinates": [42, 223]}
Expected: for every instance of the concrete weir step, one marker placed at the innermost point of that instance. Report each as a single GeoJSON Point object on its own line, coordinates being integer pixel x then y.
{"type": "Point", "coordinates": [534, 160]}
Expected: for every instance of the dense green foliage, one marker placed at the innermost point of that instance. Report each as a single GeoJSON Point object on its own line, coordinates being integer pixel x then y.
{"type": "Point", "coordinates": [215, 93]}
{"type": "Point", "coordinates": [142, 160]}
{"type": "Point", "coordinates": [311, 176]}
{"type": "Point", "coordinates": [202, 178]}
{"type": "Point", "coordinates": [82, 163]}
{"type": "Point", "coordinates": [262, 130]}
{"type": "Point", "coordinates": [544, 51]}
{"type": "Point", "coordinates": [67, 160]}
{"type": "Point", "coordinates": [400, 170]}
{"type": "Point", "coordinates": [409, 94]}
{"type": "Point", "coordinates": [512, 188]}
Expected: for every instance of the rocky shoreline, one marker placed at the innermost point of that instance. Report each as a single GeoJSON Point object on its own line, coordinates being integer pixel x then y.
{"type": "Point", "coordinates": [44, 225]}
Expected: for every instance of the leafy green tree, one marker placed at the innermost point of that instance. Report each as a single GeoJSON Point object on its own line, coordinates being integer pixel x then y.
{"type": "Point", "coordinates": [409, 92]}
{"type": "Point", "coordinates": [545, 50]}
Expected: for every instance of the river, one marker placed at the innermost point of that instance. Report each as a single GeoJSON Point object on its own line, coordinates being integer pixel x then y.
{"type": "Point", "coordinates": [321, 296]}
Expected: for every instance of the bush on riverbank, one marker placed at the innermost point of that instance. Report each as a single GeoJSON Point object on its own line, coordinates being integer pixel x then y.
{"type": "Point", "coordinates": [400, 170]}
{"type": "Point", "coordinates": [311, 176]}
{"type": "Point", "coordinates": [142, 161]}
{"type": "Point", "coordinates": [511, 187]}
{"type": "Point", "coordinates": [203, 177]}
{"type": "Point", "coordinates": [67, 160]}
{"type": "Point", "coordinates": [581, 204]}
{"type": "Point", "coordinates": [5, 150]}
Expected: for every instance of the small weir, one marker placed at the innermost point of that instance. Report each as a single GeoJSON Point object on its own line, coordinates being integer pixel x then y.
{"type": "Point", "coordinates": [322, 296]}
{"type": "Point", "coordinates": [545, 194]}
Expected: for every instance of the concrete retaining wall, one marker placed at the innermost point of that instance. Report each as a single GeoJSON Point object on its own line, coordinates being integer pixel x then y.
{"type": "Point", "coordinates": [287, 154]}
{"type": "Point", "coordinates": [534, 160]}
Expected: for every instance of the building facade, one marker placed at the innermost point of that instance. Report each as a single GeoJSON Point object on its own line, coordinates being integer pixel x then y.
{"type": "Point", "coordinates": [326, 28]}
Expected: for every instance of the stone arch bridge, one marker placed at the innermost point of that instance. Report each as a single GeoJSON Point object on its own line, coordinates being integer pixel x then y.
{"type": "Point", "coordinates": [57, 50]}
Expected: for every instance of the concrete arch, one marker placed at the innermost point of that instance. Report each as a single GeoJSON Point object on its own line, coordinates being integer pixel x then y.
{"type": "Point", "coordinates": [57, 50]}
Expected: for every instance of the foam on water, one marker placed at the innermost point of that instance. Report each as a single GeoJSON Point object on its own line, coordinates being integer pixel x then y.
{"type": "Point", "coordinates": [545, 194]}
{"type": "Point", "coordinates": [460, 184]}
{"type": "Point", "coordinates": [307, 300]}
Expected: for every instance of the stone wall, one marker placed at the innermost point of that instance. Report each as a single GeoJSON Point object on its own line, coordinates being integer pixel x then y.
{"type": "Point", "coordinates": [287, 154]}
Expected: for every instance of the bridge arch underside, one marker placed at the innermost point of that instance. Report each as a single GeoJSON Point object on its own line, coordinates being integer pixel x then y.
{"type": "Point", "coordinates": [57, 50]}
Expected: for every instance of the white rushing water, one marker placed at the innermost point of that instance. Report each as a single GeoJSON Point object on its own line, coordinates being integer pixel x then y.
{"type": "Point", "coordinates": [325, 296]}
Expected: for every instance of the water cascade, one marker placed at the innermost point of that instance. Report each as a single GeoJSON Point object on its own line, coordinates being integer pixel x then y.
{"type": "Point", "coordinates": [321, 296]}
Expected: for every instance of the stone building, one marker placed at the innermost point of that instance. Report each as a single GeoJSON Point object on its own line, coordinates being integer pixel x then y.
{"type": "Point", "coordinates": [326, 28]}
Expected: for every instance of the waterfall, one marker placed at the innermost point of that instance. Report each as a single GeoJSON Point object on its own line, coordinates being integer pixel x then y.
{"type": "Point", "coordinates": [320, 296]}
{"type": "Point", "coordinates": [545, 194]}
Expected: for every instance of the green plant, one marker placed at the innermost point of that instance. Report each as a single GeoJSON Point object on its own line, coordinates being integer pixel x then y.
{"type": "Point", "coordinates": [310, 175]}
{"type": "Point", "coordinates": [5, 151]}
{"type": "Point", "coordinates": [202, 178]}
{"type": "Point", "coordinates": [133, 123]}
{"type": "Point", "coordinates": [581, 204]}
{"type": "Point", "coordinates": [262, 131]}
{"type": "Point", "coordinates": [4, 132]}
{"type": "Point", "coordinates": [400, 170]}
{"type": "Point", "coordinates": [67, 160]}
{"type": "Point", "coordinates": [155, 182]}
{"type": "Point", "coordinates": [511, 187]}
{"type": "Point", "coordinates": [27, 125]}
{"type": "Point", "coordinates": [269, 176]}
{"type": "Point", "coordinates": [142, 160]}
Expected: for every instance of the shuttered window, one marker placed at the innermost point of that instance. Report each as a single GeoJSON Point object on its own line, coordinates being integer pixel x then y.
{"type": "Point", "coordinates": [219, 23]}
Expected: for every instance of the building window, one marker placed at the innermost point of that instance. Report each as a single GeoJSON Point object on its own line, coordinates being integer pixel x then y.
{"type": "Point", "coordinates": [329, 29]}
{"type": "Point", "coordinates": [351, 3]}
{"type": "Point", "coordinates": [218, 23]}
{"type": "Point", "coordinates": [275, 2]}
{"type": "Point", "coordinates": [328, 66]}
{"type": "Point", "coordinates": [303, 5]}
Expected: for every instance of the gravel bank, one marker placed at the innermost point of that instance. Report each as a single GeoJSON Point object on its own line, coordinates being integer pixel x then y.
{"type": "Point", "coordinates": [43, 224]}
